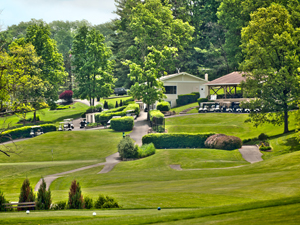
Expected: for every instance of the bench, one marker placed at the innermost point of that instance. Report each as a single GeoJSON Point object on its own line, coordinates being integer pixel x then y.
{"type": "Point", "coordinates": [19, 205]}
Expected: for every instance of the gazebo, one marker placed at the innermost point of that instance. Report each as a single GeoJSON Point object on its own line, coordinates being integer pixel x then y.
{"type": "Point", "coordinates": [227, 82]}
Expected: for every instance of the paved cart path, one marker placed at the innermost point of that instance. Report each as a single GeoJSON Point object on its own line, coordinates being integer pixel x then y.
{"type": "Point", "coordinates": [111, 161]}
{"type": "Point", "coordinates": [140, 128]}
{"type": "Point", "coordinates": [251, 153]}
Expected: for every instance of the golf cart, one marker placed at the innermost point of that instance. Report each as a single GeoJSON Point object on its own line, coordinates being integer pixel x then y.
{"type": "Point", "coordinates": [67, 124]}
{"type": "Point", "coordinates": [36, 131]}
{"type": "Point", "coordinates": [83, 123]}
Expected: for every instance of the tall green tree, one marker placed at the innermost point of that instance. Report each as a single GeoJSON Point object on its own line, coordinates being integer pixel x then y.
{"type": "Point", "coordinates": [43, 200]}
{"type": "Point", "coordinates": [157, 37]}
{"type": "Point", "coordinates": [51, 64]}
{"type": "Point", "coordinates": [271, 46]}
{"type": "Point", "coordinates": [93, 69]}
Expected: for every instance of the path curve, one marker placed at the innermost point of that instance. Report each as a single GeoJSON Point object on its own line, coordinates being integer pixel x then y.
{"type": "Point", "coordinates": [251, 153]}
{"type": "Point", "coordinates": [111, 161]}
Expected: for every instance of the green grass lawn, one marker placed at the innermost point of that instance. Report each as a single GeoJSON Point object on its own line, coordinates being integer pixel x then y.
{"type": "Point", "coordinates": [113, 100]}
{"type": "Point", "coordinates": [181, 108]}
{"type": "Point", "coordinates": [49, 116]}
{"type": "Point", "coordinates": [66, 145]}
{"type": "Point", "coordinates": [226, 123]}
{"type": "Point", "coordinates": [206, 191]}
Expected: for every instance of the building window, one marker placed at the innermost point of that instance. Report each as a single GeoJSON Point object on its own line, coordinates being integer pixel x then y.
{"type": "Point", "coordinates": [170, 89]}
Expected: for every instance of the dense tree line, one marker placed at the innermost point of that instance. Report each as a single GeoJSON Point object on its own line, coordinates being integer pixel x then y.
{"type": "Point", "coordinates": [216, 41]}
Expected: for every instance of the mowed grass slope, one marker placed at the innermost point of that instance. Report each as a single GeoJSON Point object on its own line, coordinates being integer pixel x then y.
{"type": "Point", "coordinates": [226, 123]}
{"type": "Point", "coordinates": [206, 190]}
{"type": "Point", "coordinates": [66, 145]}
{"type": "Point", "coordinates": [48, 116]}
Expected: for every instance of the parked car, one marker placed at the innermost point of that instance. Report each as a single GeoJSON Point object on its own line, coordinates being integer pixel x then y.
{"type": "Point", "coordinates": [120, 91]}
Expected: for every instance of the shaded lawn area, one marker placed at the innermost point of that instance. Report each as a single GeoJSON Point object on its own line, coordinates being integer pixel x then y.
{"type": "Point", "coordinates": [49, 116]}
{"type": "Point", "coordinates": [226, 123]}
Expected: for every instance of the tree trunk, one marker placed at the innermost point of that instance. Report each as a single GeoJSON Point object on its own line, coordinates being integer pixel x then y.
{"type": "Point", "coordinates": [34, 117]}
{"type": "Point", "coordinates": [148, 113]}
{"type": "Point", "coordinates": [286, 121]}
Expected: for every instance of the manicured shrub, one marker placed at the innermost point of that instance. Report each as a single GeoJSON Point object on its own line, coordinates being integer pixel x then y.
{"type": "Point", "coordinates": [197, 95]}
{"type": "Point", "coordinates": [59, 206]}
{"type": "Point", "coordinates": [117, 105]}
{"type": "Point", "coordinates": [263, 137]}
{"type": "Point", "coordinates": [88, 202]}
{"type": "Point", "coordinates": [105, 116]}
{"type": "Point", "coordinates": [75, 197]}
{"type": "Point", "coordinates": [186, 99]}
{"type": "Point", "coordinates": [179, 140]}
{"type": "Point", "coordinates": [127, 149]}
{"type": "Point", "coordinates": [199, 100]}
{"type": "Point", "coordinates": [43, 197]}
{"type": "Point", "coordinates": [163, 106]}
{"type": "Point", "coordinates": [106, 202]}
{"type": "Point", "coordinates": [222, 141]}
{"type": "Point", "coordinates": [26, 193]}
{"type": "Point", "coordinates": [121, 103]}
{"type": "Point", "coordinates": [62, 107]}
{"type": "Point", "coordinates": [66, 95]}
{"type": "Point", "coordinates": [2, 201]}
{"type": "Point", "coordinates": [156, 114]}
{"type": "Point", "coordinates": [105, 105]}
{"type": "Point", "coordinates": [111, 105]}
{"type": "Point", "coordinates": [125, 123]}
{"type": "Point", "coordinates": [128, 101]}
{"type": "Point", "coordinates": [23, 132]}
{"type": "Point", "coordinates": [146, 150]}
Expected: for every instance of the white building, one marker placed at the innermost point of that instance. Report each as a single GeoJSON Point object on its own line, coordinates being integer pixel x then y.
{"type": "Point", "coordinates": [183, 83]}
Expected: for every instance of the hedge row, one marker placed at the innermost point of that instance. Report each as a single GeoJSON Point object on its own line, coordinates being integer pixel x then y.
{"type": "Point", "coordinates": [105, 116]}
{"type": "Point", "coordinates": [125, 123]}
{"type": "Point", "coordinates": [199, 100]}
{"type": "Point", "coordinates": [180, 140]}
{"type": "Point", "coordinates": [187, 98]}
{"type": "Point", "coordinates": [24, 132]}
{"type": "Point", "coordinates": [155, 113]}
{"type": "Point", "coordinates": [163, 106]}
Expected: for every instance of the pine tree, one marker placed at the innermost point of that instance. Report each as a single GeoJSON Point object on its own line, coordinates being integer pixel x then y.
{"type": "Point", "coordinates": [26, 194]}
{"type": "Point", "coordinates": [43, 197]}
{"type": "Point", "coordinates": [75, 197]}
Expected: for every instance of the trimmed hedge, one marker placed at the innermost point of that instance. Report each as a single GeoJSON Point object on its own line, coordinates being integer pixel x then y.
{"type": "Point", "coordinates": [105, 116]}
{"type": "Point", "coordinates": [24, 132]}
{"type": "Point", "coordinates": [155, 113]}
{"type": "Point", "coordinates": [163, 106]}
{"type": "Point", "coordinates": [122, 124]}
{"type": "Point", "coordinates": [187, 99]}
{"type": "Point", "coordinates": [179, 140]}
{"type": "Point", "coordinates": [199, 100]}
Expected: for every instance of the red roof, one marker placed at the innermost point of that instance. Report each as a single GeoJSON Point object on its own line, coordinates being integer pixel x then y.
{"type": "Point", "coordinates": [233, 78]}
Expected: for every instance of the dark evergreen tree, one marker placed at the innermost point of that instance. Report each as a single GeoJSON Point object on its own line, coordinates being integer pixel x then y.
{"type": "Point", "coordinates": [26, 194]}
{"type": "Point", "coordinates": [75, 197]}
{"type": "Point", "coordinates": [43, 197]}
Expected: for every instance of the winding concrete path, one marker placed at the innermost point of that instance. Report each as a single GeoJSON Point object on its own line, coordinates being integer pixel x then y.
{"type": "Point", "coordinates": [111, 161]}
{"type": "Point", "coordinates": [140, 128]}
{"type": "Point", "coordinates": [251, 153]}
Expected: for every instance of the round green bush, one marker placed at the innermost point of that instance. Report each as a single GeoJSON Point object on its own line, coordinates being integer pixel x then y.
{"type": "Point", "coordinates": [263, 137]}
{"type": "Point", "coordinates": [127, 149]}
{"type": "Point", "coordinates": [163, 106]}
